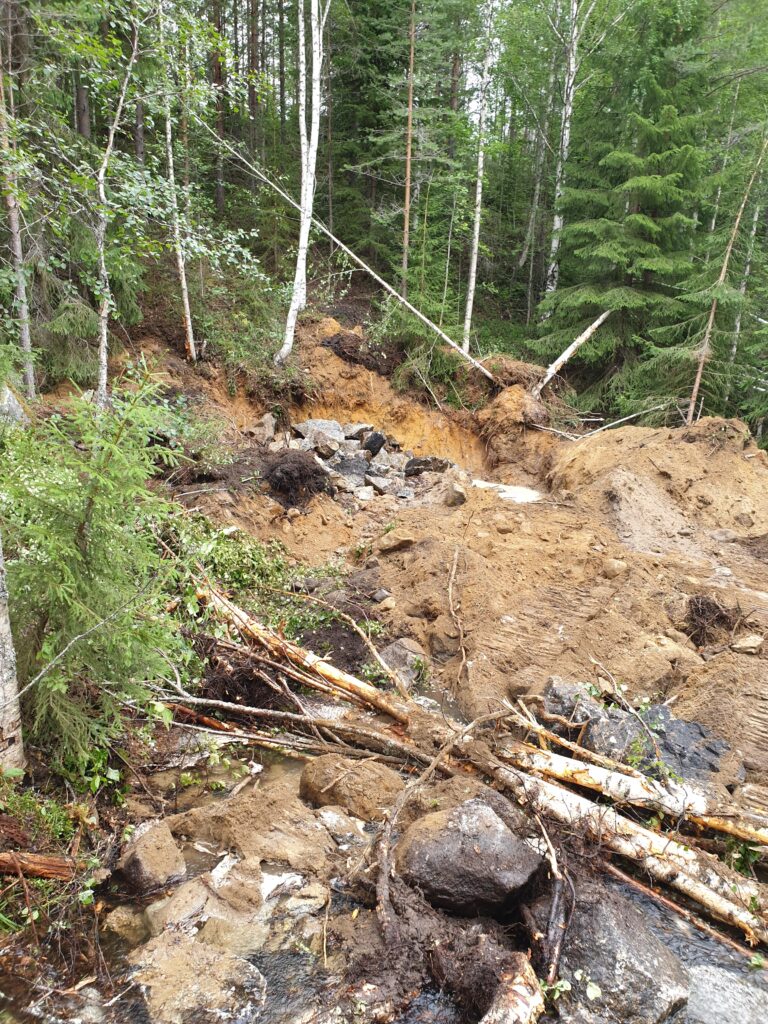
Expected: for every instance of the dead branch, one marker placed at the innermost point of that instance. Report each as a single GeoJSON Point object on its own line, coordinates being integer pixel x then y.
{"type": "Point", "coordinates": [38, 865]}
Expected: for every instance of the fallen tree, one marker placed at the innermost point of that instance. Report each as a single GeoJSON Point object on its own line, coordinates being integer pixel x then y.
{"type": "Point", "coordinates": [550, 786]}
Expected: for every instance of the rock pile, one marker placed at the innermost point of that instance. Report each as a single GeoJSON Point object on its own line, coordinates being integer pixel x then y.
{"type": "Point", "coordinates": [364, 462]}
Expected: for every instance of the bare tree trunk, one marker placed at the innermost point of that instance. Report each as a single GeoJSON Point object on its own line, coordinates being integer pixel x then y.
{"type": "Point", "coordinates": [569, 92]}
{"type": "Point", "coordinates": [473, 254]}
{"type": "Point", "coordinates": [408, 154]}
{"type": "Point", "coordinates": [253, 72]}
{"type": "Point", "coordinates": [329, 132]}
{"type": "Point", "coordinates": [561, 360]}
{"type": "Point", "coordinates": [17, 249]}
{"type": "Point", "coordinates": [138, 133]}
{"type": "Point", "coordinates": [281, 69]}
{"type": "Point", "coordinates": [82, 108]}
{"type": "Point", "coordinates": [724, 164]}
{"type": "Point", "coordinates": [706, 343]}
{"type": "Point", "coordinates": [11, 745]}
{"type": "Point", "coordinates": [309, 146]}
{"type": "Point", "coordinates": [447, 261]}
{"type": "Point", "coordinates": [100, 232]}
{"type": "Point", "coordinates": [189, 342]}
{"type": "Point", "coordinates": [743, 285]}
{"type": "Point", "coordinates": [218, 84]}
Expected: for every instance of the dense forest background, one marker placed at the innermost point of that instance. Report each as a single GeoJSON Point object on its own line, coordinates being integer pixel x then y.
{"type": "Point", "coordinates": [621, 171]}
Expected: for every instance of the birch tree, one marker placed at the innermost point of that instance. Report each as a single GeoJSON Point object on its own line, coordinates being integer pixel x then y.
{"type": "Point", "coordinates": [9, 185]}
{"type": "Point", "coordinates": [11, 746]}
{"type": "Point", "coordinates": [189, 337]}
{"type": "Point", "coordinates": [485, 83]}
{"type": "Point", "coordinates": [102, 223]}
{"type": "Point", "coordinates": [408, 155]}
{"type": "Point", "coordinates": [309, 140]}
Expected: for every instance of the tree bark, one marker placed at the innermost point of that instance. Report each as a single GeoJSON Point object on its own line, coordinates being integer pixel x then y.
{"type": "Point", "coordinates": [100, 232]}
{"type": "Point", "coordinates": [408, 154]}
{"type": "Point", "coordinates": [569, 92]}
{"type": "Point", "coordinates": [16, 245]}
{"type": "Point", "coordinates": [309, 146]}
{"type": "Point", "coordinates": [11, 744]}
{"type": "Point", "coordinates": [38, 865]}
{"type": "Point", "coordinates": [189, 337]}
{"type": "Point", "coordinates": [706, 343]}
{"type": "Point", "coordinates": [281, 68]}
{"type": "Point", "coordinates": [743, 288]}
{"type": "Point", "coordinates": [82, 107]}
{"type": "Point", "coordinates": [473, 254]}
{"type": "Point", "coordinates": [561, 360]}
{"type": "Point", "coordinates": [253, 74]}
{"type": "Point", "coordinates": [218, 85]}
{"type": "Point", "coordinates": [138, 133]}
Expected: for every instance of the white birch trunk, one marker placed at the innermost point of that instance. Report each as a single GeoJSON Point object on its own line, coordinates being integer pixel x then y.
{"type": "Point", "coordinates": [17, 249]}
{"type": "Point", "coordinates": [100, 232]}
{"type": "Point", "coordinates": [11, 746]}
{"type": "Point", "coordinates": [569, 92]}
{"type": "Point", "coordinates": [408, 156]}
{"type": "Point", "coordinates": [189, 337]}
{"type": "Point", "coordinates": [478, 200]}
{"type": "Point", "coordinates": [745, 281]}
{"type": "Point", "coordinates": [309, 147]}
{"type": "Point", "coordinates": [562, 359]}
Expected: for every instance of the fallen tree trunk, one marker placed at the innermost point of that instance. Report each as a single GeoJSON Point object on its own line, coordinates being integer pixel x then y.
{"type": "Point", "coordinates": [724, 893]}
{"type": "Point", "coordinates": [38, 865]}
{"type": "Point", "coordinates": [279, 647]}
{"type": "Point", "coordinates": [672, 798]}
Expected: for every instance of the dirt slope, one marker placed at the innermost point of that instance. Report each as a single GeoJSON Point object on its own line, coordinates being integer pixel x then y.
{"type": "Point", "coordinates": [633, 523]}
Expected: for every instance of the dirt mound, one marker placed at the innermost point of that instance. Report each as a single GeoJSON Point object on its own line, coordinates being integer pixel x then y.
{"type": "Point", "coordinates": [353, 347]}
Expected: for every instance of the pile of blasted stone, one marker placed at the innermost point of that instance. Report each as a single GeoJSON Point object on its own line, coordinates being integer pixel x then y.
{"type": "Point", "coordinates": [365, 462]}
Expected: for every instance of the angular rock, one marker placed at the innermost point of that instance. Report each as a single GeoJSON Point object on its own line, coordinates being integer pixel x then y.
{"type": "Point", "coordinates": [10, 408]}
{"type": "Point", "coordinates": [380, 484]}
{"type": "Point", "coordinates": [719, 996]}
{"type": "Point", "coordinates": [152, 859]}
{"type": "Point", "coordinates": [324, 444]}
{"type": "Point", "coordinates": [374, 442]}
{"type": "Point", "coordinates": [426, 464]}
{"type": "Point", "coordinates": [614, 567]}
{"type": "Point", "coordinates": [405, 493]}
{"type": "Point", "coordinates": [365, 493]}
{"type": "Point", "coordinates": [610, 945]}
{"type": "Point", "coordinates": [347, 448]}
{"type": "Point", "coordinates": [690, 750]}
{"type": "Point", "coordinates": [454, 494]}
{"type": "Point", "coordinates": [380, 595]}
{"type": "Point", "coordinates": [263, 430]}
{"type": "Point", "coordinates": [366, 789]}
{"type": "Point", "coordinates": [752, 644]}
{"type": "Point", "coordinates": [330, 427]}
{"type": "Point", "coordinates": [346, 484]}
{"type": "Point", "coordinates": [407, 657]}
{"type": "Point", "coordinates": [356, 431]}
{"type": "Point", "coordinates": [395, 540]}
{"type": "Point", "coordinates": [356, 467]}
{"type": "Point", "coordinates": [466, 859]}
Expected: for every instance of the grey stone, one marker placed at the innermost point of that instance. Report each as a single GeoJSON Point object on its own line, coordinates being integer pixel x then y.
{"type": "Point", "coordinates": [325, 445]}
{"type": "Point", "coordinates": [382, 461]}
{"type": "Point", "coordinates": [395, 540]}
{"type": "Point", "coordinates": [10, 408]}
{"type": "Point", "coordinates": [719, 996]}
{"type": "Point", "coordinates": [687, 748]}
{"type": "Point", "coordinates": [751, 644]}
{"type": "Point", "coordinates": [354, 467]}
{"type": "Point", "coordinates": [345, 484]}
{"type": "Point", "coordinates": [407, 657]}
{"type": "Point", "coordinates": [356, 431]}
{"type": "Point", "coordinates": [466, 859]}
{"type": "Point", "coordinates": [609, 944]}
{"type": "Point", "coordinates": [351, 448]}
{"type": "Point", "coordinates": [365, 493]}
{"type": "Point", "coordinates": [380, 595]}
{"type": "Point", "coordinates": [405, 493]}
{"type": "Point", "coordinates": [426, 464]}
{"type": "Point", "coordinates": [380, 484]}
{"type": "Point", "coordinates": [374, 442]}
{"type": "Point", "coordinates": [330, 427]}
{"type": "Point", "coordinates": [152, 859]}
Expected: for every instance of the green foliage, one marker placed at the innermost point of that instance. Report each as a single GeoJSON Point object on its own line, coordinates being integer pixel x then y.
{"type": "Point", "coordinates": [83, 562]}
{"type": "Point", "coordinates": [44, 819]}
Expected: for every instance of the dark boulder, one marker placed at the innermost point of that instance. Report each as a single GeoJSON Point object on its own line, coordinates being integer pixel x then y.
{"type": "Point", "coordinates": [426, 464]}
{"type": "Point", "coordinates": [374, 442]}
{"type": "Point", "coordinates": [466, 859]}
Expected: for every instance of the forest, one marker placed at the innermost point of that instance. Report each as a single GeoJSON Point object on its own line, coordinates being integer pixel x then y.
{"type": "Point", "coordinates": [383, 519]}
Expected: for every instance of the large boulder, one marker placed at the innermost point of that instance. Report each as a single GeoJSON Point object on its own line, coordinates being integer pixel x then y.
{"type": "Point", "coordinates": [10, 408]}
{"type": "Point", "coordinates": [366, 789]}
{"type": "Point", "coordinates": [328, 427]}
{"type": "Point", "coordinates": [152, 859]}
{"type": "Point", "coordinates": [618, 970]}
{"type": "Point", "coordinates": [719, 996]}
{"type": "Point", "coordinates": [688, 749]}
{"type": "Point", "coordinates": [466, 859]}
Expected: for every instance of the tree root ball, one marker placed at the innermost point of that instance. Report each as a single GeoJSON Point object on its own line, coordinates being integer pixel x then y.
{"type": "Point", "coordinates": [295, 477]}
